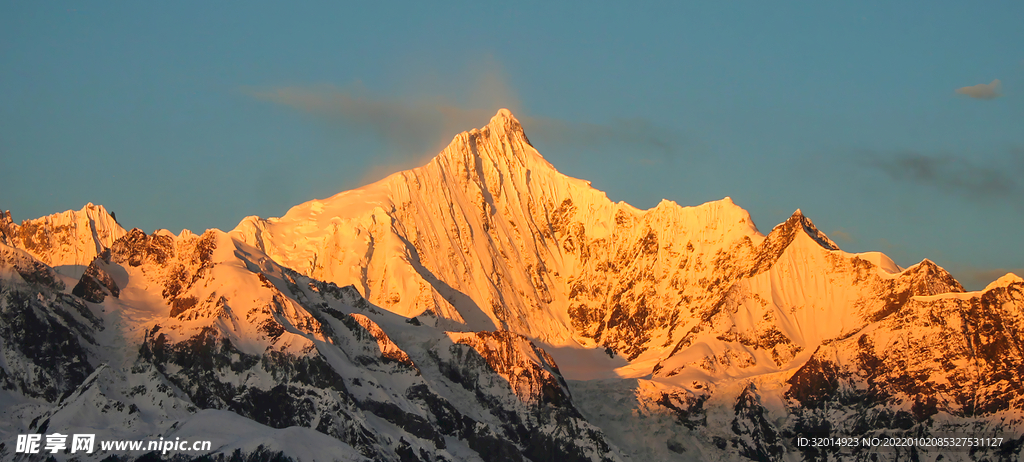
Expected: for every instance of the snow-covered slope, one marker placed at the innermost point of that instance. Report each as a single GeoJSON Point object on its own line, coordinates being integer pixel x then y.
{"type": "Point", "coordinates": [172, 327]}
{"type": "Point", "coordinates": [71, 238]}
{"type": "Point", "coordinates": [432, 315]}
{"type": "Point", "coordinates": [489, 234]}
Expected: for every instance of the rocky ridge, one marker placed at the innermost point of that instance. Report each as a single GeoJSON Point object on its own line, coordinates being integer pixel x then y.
{"type": "Point", "coordinates": [207, 323]}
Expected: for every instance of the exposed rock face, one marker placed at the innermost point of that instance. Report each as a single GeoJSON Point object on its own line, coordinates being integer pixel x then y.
{"type": "Point", "coordinates": [947, 363]}
{"type": "Point", "coordinates": [520, 384]}
{"type": "Point", "coordinates": [96, 283]}
{"type": "Point", "coordinates": [69, 238]}
{"type": "Point", "coordinates": [962, 353]}
{"type": "Point", "coordinates": [756, 437]}
{"type": "Point", "coordinates": [489, 235]}
{"type": "Point", "coordinates": [45, 335]}
{"type": "Point", "coordinates": [276, 348]}
{"type": "Point", "coordinates": [28, 269]}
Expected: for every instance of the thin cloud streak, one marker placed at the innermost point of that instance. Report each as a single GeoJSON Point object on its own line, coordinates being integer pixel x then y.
{"type": "Point", "coordinates": [983, 90]}
{"type": "Point", "coordinates": [415, 128]}
{"type": "Point", "coordinates": [631, 134]}
{"type": "Point", "coordinates": [954, 174]}
{"type": "Point", "coordinates": [408, 128]}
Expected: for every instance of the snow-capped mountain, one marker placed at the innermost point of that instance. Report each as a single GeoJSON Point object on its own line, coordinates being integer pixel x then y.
{"type": "Point", "coordinates": [490, 235]}
{"type": "Point", "coordinates": [63, 239]}
{"type": "Point", "coordinates": [487, 307]}
{"type": "Point", "coordinates": [170, 335]}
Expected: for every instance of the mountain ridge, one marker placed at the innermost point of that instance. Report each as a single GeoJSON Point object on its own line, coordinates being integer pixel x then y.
{"type": "Point", "coordinates": [489, 217]}
{"type": "Point", "coordinates": [439, 313]}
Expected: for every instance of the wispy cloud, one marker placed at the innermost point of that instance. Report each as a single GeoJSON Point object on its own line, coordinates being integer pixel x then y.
{"type": "Point", "coordinates": [841, 235]}
{"type": "Point", "coordinates": [408, 126]}
{"type": "Point", "coordinates": [982, 90]}
{"type": "Point", "coordinates": [998, 178]}
{"type": "Point", "coordinates": [636, 134]}
{"type": "Point", "coordinates": [415, 128]}
{"type": "Point", "coordinates": [414, 124]}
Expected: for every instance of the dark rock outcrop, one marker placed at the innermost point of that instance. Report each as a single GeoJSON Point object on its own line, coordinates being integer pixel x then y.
{"type": "Point", "coordinates": [96, 283]}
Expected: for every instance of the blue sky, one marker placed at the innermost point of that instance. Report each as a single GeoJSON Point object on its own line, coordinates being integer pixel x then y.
{"type": "Point", "coordinates": [193, 116]}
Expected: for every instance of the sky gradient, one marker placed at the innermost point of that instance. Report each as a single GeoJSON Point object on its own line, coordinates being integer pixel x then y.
{"type": "Point", "coordinates": [897, 128]}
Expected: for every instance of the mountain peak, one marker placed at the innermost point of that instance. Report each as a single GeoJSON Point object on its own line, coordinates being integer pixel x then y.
{"type": "Point", "coordinates": [504, 125]}
{"type": "Point", "coordinates": [502, 142]}
{"type": "Point", "coordinates": [813, 232]}
{"type": "Point", "coordinates": [73, 237]}
{"type": "Point", "coordinates": [1004, 281]}
{"type": "Point", "coordinates": [928, 278]}
{"type": "Point", "coordinates": [798, 221]}
{"type": "Point", "coordinates": [783, 235]}
{"type": "Point", "coordinates": [503, 116]}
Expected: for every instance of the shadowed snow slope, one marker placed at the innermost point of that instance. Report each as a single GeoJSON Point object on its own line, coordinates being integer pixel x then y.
{"type": "Point", "coordinates": [206, 323]}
